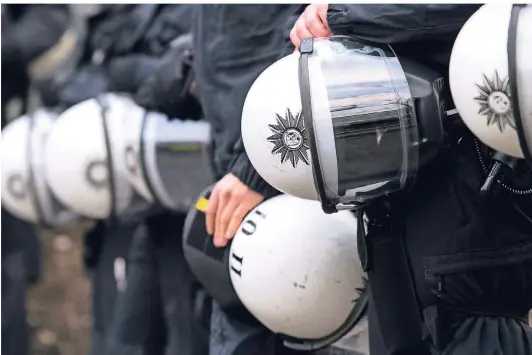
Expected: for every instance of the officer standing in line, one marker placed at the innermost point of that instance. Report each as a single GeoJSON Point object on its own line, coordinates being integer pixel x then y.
{"type": "Point", "coordinates": [233, 44]}
{"type": "Point", "coordinates": [470, 253]}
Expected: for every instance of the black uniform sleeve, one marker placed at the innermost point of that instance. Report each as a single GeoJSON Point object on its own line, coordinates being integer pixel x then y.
{"type": "Point", "coordinates": [245, 172]}
{"type": "Point", "coordinates": [35, 32]}
{"type": "Point", "coordinates": [399, 23]}
{"type": "Point", "coordinates": [242, 167]}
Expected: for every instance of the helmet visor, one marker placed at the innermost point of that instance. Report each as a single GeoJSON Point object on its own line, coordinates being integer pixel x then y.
{"type": "Point", "coordinates": [363, 118]}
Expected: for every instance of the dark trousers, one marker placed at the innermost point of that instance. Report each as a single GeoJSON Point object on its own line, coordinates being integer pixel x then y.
{"type": "Point", "coordinates": [187, 331]}
{"type": "Point", "coordinates": [157, 313]}
{"type": "Point", "coordinates": [21, 266]}
{"type": "Point", "coordinates": [137, 326]}
{"type": "Point", "coordinates": [107, 289]}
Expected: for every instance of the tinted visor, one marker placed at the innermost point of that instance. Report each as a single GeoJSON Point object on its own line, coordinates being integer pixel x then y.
{"type": "Point", "coordinates": [175, 158]}
{"type": "Point", "coordinates": [363, 119]}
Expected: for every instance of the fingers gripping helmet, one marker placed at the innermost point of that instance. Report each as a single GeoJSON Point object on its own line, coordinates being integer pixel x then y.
{"type": "Point", "coordinates": [167, 161]}
{"type": "Point", "coordinates": [342, 122]}
{"type": "Point", "coordinates": [491, 77]}
{"type": "Point", "coordinates": [296, 269]}
{"type": "Point", "coordinates": [25, 191]}
{"type": "Point", "coordinates": [85, 160]}
{"type": "Point", "coordinates": [293, 267]}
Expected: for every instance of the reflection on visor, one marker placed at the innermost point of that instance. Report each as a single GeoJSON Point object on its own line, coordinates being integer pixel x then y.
{"type": "Point", "coordinates": [175, 160]}
{"type": "Point", "coordinates": [368, 147]}
{"type": "Point", "coordinates": [363, 115]}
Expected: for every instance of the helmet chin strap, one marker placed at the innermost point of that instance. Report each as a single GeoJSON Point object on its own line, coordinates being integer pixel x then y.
{"type": "Point", "coordinates": [501, 160]}
{"type": "Point", "coordinates": [104, 109]}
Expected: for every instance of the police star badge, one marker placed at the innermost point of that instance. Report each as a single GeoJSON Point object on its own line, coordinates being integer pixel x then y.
{"type": "Point", "coordinates": [495, 103]}
{"type": "Point", "coordinates": [289, 138]}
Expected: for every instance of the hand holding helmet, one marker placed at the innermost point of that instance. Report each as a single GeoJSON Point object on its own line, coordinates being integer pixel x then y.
{"type": "Point", "coordinates": [293, 267]}
{"type": "Point", "coordinates": [230, 201]}
{"type": "Point", "coordinates": [312, 23]}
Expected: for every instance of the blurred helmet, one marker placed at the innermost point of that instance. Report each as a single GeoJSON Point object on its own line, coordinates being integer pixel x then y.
{"type": "Point", "coordinates": [491, 77]}
{"type": "Point", "coordinates": [24, 188]}
{"type": "Point", "coordinates": [296, 269]}
{"type": "Point", "coordinates": [342, 122]}
{"type": "Point", "coordinates": [17, 196]}
{"type": "Point", "coordinates": [84, 157]}
{"type": "Point", "coordinates": [167, 160]}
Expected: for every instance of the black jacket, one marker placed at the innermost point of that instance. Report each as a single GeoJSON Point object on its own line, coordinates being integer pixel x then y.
{"type": "Point", "coordinates": [233, 44]}
{"type": "Point", "coordinates": [125, 45]}
{"type": "Point", "coordinates": [469, 254]}
{"type": "Point", "coordinates": [28, 31]}
{"type": "Point", "coordinates": [425, 33]}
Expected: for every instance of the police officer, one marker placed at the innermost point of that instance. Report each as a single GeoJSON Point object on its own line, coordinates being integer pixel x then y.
{"type": "Point", "coordinates": [233, 44]}
{"type": "Point", "coordinates": [470, 253]}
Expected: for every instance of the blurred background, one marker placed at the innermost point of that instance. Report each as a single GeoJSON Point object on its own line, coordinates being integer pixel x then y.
{"type": "Point", "coordinates": [51, 56]}
{"type": "Point", "coordinates": [58, 303]}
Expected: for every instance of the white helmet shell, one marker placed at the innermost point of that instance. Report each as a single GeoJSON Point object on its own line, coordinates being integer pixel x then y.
{"type": "Point", "coordinates": [479, 77]}
{"type": "Point", "coordinates": [77, 157]}
{"type": "Point", "coordinates": [17, 196]}
{"type": "Point", "coordinates": [266, 100]}
{"type": "Point", "coordinates": [296, 269]}
{"type": "Point", "coordinates": [354, 139]}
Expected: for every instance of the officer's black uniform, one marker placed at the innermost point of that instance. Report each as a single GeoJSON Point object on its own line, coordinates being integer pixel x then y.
{"type": "Point", "coordinates": [145, 331]}
{"type": "Point", "coordinates": [21, 266]}
{"type": "Point", "coordinates": [470, 256]}
{"type": "Point", "coordinates": [233, 44]}
{"type": "Point", "coordinates": [27, 32]}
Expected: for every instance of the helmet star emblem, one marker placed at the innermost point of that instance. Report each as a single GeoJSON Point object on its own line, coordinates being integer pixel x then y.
{"type": "Point", "coordinates": [495, 103]}
{"type": "Point", "coordinates": [289, 138]}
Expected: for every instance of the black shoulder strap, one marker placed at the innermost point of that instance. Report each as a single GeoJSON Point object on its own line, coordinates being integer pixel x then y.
{"type": "Point", "coordinates": [391, 282]}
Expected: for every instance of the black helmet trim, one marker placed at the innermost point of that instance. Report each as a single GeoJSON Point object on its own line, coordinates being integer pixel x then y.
{"type": "Point", "coordinates": [306, 49]}
{"type": "Point", "coordinates": [33, 174]}
{"type": "Point", "coordinates": [104, 109]}
{"type": "Point", "coordinates": [512, 72]}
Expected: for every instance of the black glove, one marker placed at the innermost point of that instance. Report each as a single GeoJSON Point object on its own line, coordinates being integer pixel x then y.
{"type": "Point", "coordinates": [126, 74]}
{"type": "Point", "coordinates": [167, 90]}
